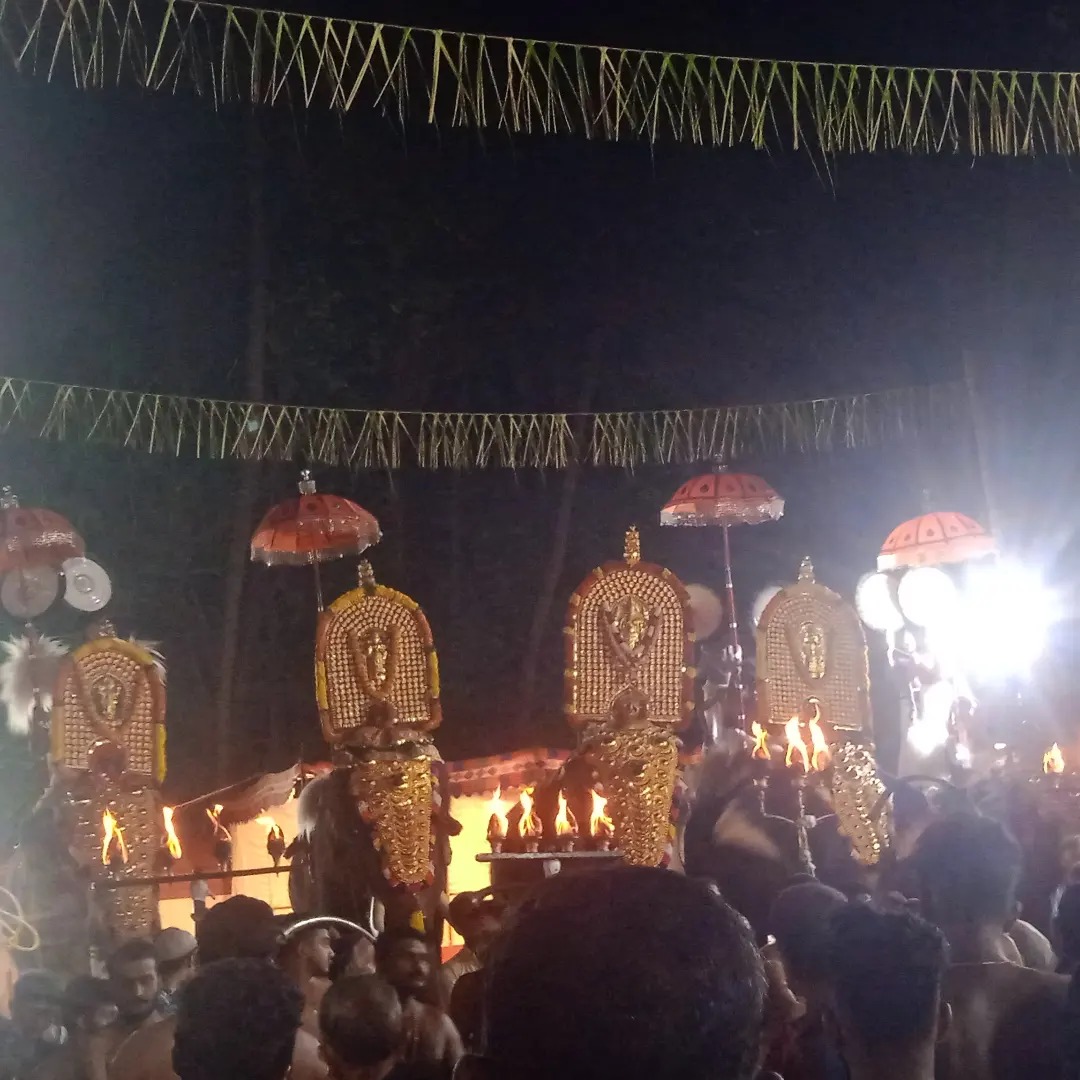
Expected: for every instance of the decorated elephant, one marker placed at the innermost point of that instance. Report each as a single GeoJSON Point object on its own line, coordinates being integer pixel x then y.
{"type": "Point", "coordinates": [375, 832]}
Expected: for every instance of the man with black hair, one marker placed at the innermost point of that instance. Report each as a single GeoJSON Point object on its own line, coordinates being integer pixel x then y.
{"type": "Point", "coordinates": [622, 974]}
{"type": "Point", "coordinates": [1006, 1018]}
{"type": "Point", "coordinates": [238, 928]}
{"type": "Point", "coordinates": [237, 1020]}
{"type": "Point", "coordinates": [362, 1028]}
{"type": "Point", "coordinates": [35, 1032]}
{"type": "Point", "coordinates": [88, 1011]}
{"type": "Point", "coordinates": [306, 955]}
{"type": "Point", "coordinates": [133, 977]}
{"type": "Point", "coordinates": [885, 1002]}
{"type": "Point", "coordinates": [431, 1045]}
{"type": "Point", "coordinates": [799, 922]}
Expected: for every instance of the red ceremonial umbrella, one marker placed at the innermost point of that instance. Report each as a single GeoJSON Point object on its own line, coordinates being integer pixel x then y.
{"type": "Point", "coordinates": [31, 536]}
{"type": "Point", "coordinates": [313, 529]}
{"type": "Point", "coordinates": [941, 536]}
{"type": "Point", "coordinates": [724, 499]}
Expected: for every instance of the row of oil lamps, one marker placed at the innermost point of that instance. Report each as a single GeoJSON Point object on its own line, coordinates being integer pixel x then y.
{"type": "Point", "coordinates": [115, 853]}
{"type": "Point", "coordinates": [530, 828]}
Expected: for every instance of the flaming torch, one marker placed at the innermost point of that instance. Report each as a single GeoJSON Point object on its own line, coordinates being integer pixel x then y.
{"type": "Point", "coordinates": [530, 827]}
{"type": "Point", "coordinates": [171, 849]}
{"type": "Point", "coordinates": [601, 827]}
{"type": "Point", "coordinates": [821, 756]}
{"type": "Point", "coordinates": [114, 852]}
{"type": "Point", "coordinates": [275, 838]}
{"type": "Point", "coordinates": [566, 829]}
{"type": "Point", "coordinates": [1054, 761]}
{"type": "Point", "coordinates": [761, 750]}
{"type": "Point", "coordinates": [797, 757]}
{"type": "Point", "coordinates": [222, 838]}
{"type": "Point", "coordinates": [498, 824]}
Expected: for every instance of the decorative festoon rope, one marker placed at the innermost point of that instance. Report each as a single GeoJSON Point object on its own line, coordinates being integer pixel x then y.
{"type": "Point", "coordinates": [385, 439]}
{"type": "Point", "coordinates": [229, 53]}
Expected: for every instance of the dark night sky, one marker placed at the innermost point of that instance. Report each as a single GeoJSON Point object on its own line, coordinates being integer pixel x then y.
{"type": "Point", "coordinates": [449, 271]}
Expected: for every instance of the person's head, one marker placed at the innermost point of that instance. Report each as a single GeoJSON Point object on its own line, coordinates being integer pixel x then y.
{"type": "Point", "coordinates": [176, 950]}
{"type": "Point", "coordinates": [360, 1028]}
{"type": "Point", "coordinates": [36, 1004]}
{"type": "Point", "coordinates": [354, 954]}
{"type": "Point", "coordinates": [403, 959]}
{"type": "Point", "coordinates": [968, 869]}
{"type": "Point", "coordinates": [799, 920]}
{"type": "Point", "coordinates": [307, 952]}
{"type": "Point", "coordinates": [237, 1020]}
{"type": "Point", "coordinates": [88, 1005]}
{"type": "Point", "coordinates": [619, 974]}
{"type": "Point", "coordinates": [885, 972]}
{"type": "Point", "coordinates": [238, 928]}
{"type": "Point", "coordinates": [133, 976]}
{"type": "Point", "coordinates": [1067, 925]}
{"type": "Point", "coordinates": [477, 920]}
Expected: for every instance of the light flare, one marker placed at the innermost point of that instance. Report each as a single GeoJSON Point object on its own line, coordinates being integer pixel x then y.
{"type": "Point", "coordinates": [761, 750]}
{"type": "Point", "coordinates": [1054, 761]}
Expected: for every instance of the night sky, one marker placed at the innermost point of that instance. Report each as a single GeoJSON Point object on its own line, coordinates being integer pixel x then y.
{"type": "Point", "coordinates": [449, 270]}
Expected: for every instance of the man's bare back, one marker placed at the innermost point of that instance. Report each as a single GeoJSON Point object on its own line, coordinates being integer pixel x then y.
{"type": "Point", "coordinates": [1006, 1023]}
{"type": "Point", "coordinates": [147, 1055]}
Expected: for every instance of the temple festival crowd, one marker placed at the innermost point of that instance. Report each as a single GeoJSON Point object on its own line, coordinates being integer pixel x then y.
{"type": "Point", "coordinates": [611, 974]}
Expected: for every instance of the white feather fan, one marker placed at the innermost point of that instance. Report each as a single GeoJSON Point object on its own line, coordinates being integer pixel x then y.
{"type": "Point", "coordinates": [26, 665]}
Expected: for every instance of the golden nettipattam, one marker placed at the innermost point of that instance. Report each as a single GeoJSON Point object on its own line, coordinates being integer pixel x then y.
{"type": "Point", "coordinates": [629, 690]}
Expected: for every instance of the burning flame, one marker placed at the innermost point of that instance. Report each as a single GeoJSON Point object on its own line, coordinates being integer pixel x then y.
{"type": "Point", "coordinates": [565, 825]}
{"type": "Point", "coordinates": [112, 840]}
{"type": "Point", "coordinates": [268, 823]}
{"type": "Point", "coordinates": [821, 753]}
{"type": "Point", "coordinates": [796, 748]}
{"type": "Point", "coordinates": [530, 827]}
{"type": "Point", "coordinates": [214, 814]}
{"type": "Point", "coordinates": [761, 742]}
{"type": "Point", "coordinates": [599, 822]}
{"type": "Point", "coordinates": [172, 841]}
{"type": "Point", "coordinates": [1054, 760]}
{"type": "Point", "coordinates": [498, 825]}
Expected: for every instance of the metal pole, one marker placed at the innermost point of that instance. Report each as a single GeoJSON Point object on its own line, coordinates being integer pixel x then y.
{"type": "Point", "coordinates": [733, 634]}
{"type": "Point", "coordinates": [318, 586]}
{"type": "Point", "coordinates": [180, 879]}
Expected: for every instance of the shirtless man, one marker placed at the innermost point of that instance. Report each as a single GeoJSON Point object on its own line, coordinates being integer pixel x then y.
{"type": "Point", "coordinates": [239, 928]}
{"type": "Point", "coordinates": [432, 1046]}
{"type": "Point", "coordinates": [1006, 1018]}
{"type": "Point", "coordinates": [307, 956]}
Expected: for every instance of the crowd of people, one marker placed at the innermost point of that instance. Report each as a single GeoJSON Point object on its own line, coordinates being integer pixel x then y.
{"type": "Point", "coordinates": [612, 974]}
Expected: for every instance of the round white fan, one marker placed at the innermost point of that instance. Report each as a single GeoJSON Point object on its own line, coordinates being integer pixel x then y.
{"type": "Point", "coordinates": [30, 592]}
{"type": "Point", "coordinates": [708, 611]}
{"type": "Point", "coordinates": [88, 586]}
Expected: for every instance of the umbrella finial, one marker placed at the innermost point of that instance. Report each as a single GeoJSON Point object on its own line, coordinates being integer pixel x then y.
{"type": "Point", "coordinates": [366, 575]}
{"type": "Point", "coordinates": [632, 546]}
{"type": "Point", "coordinates": [806, 571]}
{"type": "Point", "coordinates": [8, 499]}
{"type": "Point", "coordinates": [306, 485]}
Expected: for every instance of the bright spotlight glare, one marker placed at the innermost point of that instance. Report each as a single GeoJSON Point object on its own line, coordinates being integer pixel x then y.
{"type": "Point", "coordinates": [873, 599]}
{"type": "Point", "coordinates": [1008, 613]}
{"type": "Point", "coordinates": [928, 596]}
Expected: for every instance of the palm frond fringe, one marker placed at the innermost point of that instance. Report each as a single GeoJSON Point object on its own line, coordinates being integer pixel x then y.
{"type": "Point", "coordinates": [228, 53]}
{"type": "Point", "coordinates": [377, 439]}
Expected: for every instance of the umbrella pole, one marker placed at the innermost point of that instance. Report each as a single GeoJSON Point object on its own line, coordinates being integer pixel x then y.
{"type": "Point", "coordinates": [318, 586]}
{"type": "Point", "coordinates": [733, 634]}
